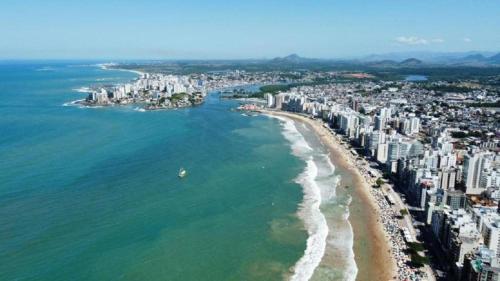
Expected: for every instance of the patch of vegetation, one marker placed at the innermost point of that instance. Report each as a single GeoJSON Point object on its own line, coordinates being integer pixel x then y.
{"type": "Point", "coordinates": [448, 88]}
{"type": "Point", "coordinates": [379, 182]}
{"type": "Point", "coordinates": [177, 97]}
{"type": "Point", "coordinates": [418, 260]}
{"type": "Point", "coordinates": [403, 212]}
{"type": "Point", "coordinates": [484, 104]}
{"type": "Point", "coordinates": [415, 246]}
{"type": "Point", "coordinates": [276, 88]}
{"type": "Point", "coordinates": [462, 134]}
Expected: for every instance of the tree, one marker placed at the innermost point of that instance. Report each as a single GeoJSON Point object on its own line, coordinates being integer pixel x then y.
{"type": "Point", "coordinates": [418, 260]}
{"type": "Point", "coordinates": [379, 182]}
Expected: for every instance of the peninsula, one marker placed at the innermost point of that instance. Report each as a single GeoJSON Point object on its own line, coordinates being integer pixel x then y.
{"type": "Point", "coordinates": [152, 91]}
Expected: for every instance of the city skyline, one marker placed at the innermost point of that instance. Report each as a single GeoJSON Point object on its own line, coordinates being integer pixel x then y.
{"type": "Point", "coordinates": [222, 30]}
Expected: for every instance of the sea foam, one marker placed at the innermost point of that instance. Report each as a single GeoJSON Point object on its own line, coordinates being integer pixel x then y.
{"type": "Point", "coordinates": [319, 184]}
{"type": "Point", "coordinates": [315, 222]}
{"type": "Point", "coordinates": [310, 213]}
{"type": "Point", "coordinates": [83, 90]}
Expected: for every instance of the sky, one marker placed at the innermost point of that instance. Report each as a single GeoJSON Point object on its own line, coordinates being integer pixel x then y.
{"type": "Point", "coordinates": [216, 29]}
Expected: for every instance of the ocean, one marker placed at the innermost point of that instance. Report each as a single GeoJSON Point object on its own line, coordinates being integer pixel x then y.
{"type": "Point", "coordinates": [93, 193]}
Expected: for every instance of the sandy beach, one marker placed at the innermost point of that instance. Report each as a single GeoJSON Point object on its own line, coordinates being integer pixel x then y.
{"type": "Point", "coordinates": [371, 246]}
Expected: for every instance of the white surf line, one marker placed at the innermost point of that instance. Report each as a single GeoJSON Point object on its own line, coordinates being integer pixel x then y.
{"type": "Point", "coordinates": [105, 66]}
{"type": "Point", "coordinates": [310, 212]}
{"type": "Point", "coordinates": [352, 270]}
{"type": "Point", "coordinates": [315, 222]}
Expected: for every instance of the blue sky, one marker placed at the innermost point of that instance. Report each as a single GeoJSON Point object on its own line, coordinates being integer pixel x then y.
{"type": "Point", "coordinates": [243, 29]}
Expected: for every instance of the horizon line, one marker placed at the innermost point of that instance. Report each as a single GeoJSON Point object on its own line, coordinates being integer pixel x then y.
{"type": "Point", "coordinates": [344, 58]}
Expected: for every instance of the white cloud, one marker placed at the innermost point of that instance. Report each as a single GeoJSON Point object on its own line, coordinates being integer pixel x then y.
{"type": "Point", "coordinates": [467, 40]}
{"type": "Point", "coordinates": [437, 40]}
{"type": "Point", "coordinates": [412, 40]}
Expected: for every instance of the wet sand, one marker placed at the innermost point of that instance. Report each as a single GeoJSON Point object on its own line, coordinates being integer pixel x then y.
{"type": "Point", "coordinates": [371, 247]}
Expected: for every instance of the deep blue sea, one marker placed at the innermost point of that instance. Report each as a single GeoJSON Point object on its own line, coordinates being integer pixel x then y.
{"type": "Point", "coordinates": [93, 193]}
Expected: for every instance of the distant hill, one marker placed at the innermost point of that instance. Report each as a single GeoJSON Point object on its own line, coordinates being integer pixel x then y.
{"type": "Point", "coordinates": [464, 59]}
{"type": "Point", "coordinates": [472, 58]}
{"type": "Point", "coordinates": [411, 62]}
{"type": "Point", "coordinates": [494, 59]}
{"type": "Point", "coordinates": [293, 58]}
{"type": "Point", "coordinates": [469, 58]}
{"type": "Point", "coordinates": [476, 57]}
{"type": "Point", "coordinates": [477, 60]}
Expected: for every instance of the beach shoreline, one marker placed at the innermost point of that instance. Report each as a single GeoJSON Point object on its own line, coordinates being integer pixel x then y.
{"type": "Point", "coordinates": [114, 66]}
{"type": "Point", "coordinates": [371, 245]}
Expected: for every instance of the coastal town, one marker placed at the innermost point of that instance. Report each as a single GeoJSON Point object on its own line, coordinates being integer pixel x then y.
{"type": "Point", "coordinates": [153, 91]}
{"type": "Point", "coordinates": [250, 140]}
{"type": "Point", "coordinates": [427, 150]}
{"type": "Point", "coordinates": [430, 154]}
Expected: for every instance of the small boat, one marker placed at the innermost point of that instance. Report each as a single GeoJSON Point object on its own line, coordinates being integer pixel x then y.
{"type": "Point", "coordinates": [182, 173]}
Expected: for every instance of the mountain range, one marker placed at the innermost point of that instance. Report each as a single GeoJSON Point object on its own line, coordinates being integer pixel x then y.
{"type": "Point", "coordinates": [415, 59]}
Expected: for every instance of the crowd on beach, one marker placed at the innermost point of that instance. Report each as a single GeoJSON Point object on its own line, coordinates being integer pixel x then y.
{"type": "Point", "coordinates": [389, 218]}
{"type": "Point", "coordinates": [388, 215]}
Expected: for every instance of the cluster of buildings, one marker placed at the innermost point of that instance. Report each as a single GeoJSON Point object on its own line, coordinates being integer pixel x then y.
{"type": "Point", "coordinates": [154, 90]}
{"type": "Point", "coordinates": [432, 141]}
{"type": "Point", "coordinates": [437, 149]}
{"type": "Point", "coordinates": [159, 90]}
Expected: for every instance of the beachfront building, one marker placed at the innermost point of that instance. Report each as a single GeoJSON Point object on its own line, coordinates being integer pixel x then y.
{"type": "Point", "coordinates": [491, 233]}
{"type": "Point", "coordinates": [100, 97]}
{"type": "Point", "coordinates": [348, 123]}
{"type": "Point", "coordinates": [444, 158]}
{"type": "Point", "coordinates": [279, 100]}
{"type": "Point", "coordinates": [457, 233]}
{"type": "Point", "coordinates": [154, 89]}
{"type": "Point", "coordinates": [271, 101]}
{"type": "Point", "coordinates": [476, 164]}
{"type": "Point", "coordinates": [481, 264]}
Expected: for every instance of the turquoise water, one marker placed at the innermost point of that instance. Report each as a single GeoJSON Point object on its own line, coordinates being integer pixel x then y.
{"type": "Point", "coordinates": [93, 193]}
{"type": "Point", "coordinates": [415, 78]}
